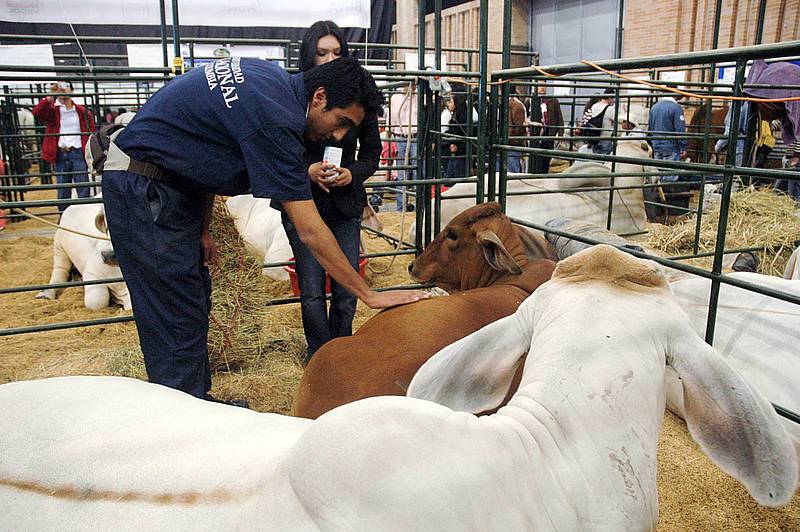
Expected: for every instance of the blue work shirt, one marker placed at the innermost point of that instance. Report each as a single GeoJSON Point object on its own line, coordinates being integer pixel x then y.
{"type": "Point", "coordinates": [667, 117]}
{"type": "Point", "coordinates": [232, 126]}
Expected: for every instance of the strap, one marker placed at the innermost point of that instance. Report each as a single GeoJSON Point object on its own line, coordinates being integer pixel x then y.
{"type": "Point", "coordinates": [119, 160]}
{"type": "Point", "coordinates": [147, 170]}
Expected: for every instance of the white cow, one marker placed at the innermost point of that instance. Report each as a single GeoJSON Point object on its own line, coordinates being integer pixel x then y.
{"type": "Point", "coordinates": [125, 118]}
{"type": "Point", "coordinates": [586, 417]}
{"type": "Point", "coordinates": [261, 229]}
{"type": "Point", "coordinates": [756, 334]}
{"type": "Point", "coordinates": [27, 126]}
{"type": "Point", "coordinates": [592, 207]}
{"type": "Point", "coordinates": [574, 449]}
{"type": "Point", "coordinates": [93, 258]}
{"type": "Point", "coordinates": [263, 234]}
{"type": "Point", "coordinates": [792, 270]}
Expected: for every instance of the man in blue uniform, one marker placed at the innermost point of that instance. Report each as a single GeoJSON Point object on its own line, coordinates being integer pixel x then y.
{"type": "Point", "coordinates": [234, 125]}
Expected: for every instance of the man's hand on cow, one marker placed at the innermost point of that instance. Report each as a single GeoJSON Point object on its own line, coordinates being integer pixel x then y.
{"type": "Point", "coordinates": [343, 179]}
{"type": "Point", "coordinates": [209, 248]}
{"type": "Point", "coordinates": [392, 298]}
{"type": "Point", "coordinates": [320, 173]}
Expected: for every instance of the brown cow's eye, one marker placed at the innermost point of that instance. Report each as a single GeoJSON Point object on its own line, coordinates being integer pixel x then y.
{"type": "Point", "coordinates": [451, 235]}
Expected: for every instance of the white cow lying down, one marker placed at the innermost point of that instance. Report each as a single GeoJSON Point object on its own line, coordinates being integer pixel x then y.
{"type": "Point", "coordinates": [574, 449]}
{"type": "Point", "coordinates": [263, 234]}
{"type": "Point", "coordinates": [756, 334]}
{"type": "Point", "coordinates": [93, 258]}
{"type": "Point", "coordinates": [592, 207]}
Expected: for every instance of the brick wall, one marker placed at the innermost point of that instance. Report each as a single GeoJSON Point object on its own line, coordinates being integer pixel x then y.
{"type": "Point", "coordinates": [670, 26]}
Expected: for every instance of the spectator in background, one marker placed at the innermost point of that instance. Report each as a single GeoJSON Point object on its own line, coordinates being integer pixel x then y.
{"type": "Point", "coordinates": [339, 196]}
{"type": "Point", "coordinates": [403, 121]}
{"type": "Point", "coordinates": [517, 124]}
{"type": "Point", "coordinates": [108, 115]}
{"type": "Point", "coordinates": [457, 148]}
{"type": "Point", "coordinates": [774, 76]}
{"type": "Point", "coordinates": [67, 128]}
{"type": "Point", "coordinates": [598, 120]}
{"type": "Point", "coordinates": [667, 120]}
{"type": "Point", "coordinates": [548, 121]}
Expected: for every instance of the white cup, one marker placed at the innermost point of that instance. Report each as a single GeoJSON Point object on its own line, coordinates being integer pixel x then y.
{"type": "Point", "coordinates": [332, 156]}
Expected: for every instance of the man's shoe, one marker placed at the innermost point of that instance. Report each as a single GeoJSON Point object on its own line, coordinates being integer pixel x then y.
{"type": "Point", "coordinates": [241, 403]}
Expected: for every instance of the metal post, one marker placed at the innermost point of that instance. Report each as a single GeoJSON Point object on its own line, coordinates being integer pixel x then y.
{"type": "Point", "coordinates": [163, 12]}
{"type": "Point", "coordinates": [613, 163]}
{"type": "Point", "coordinates": [177, 60]}
{"type": "Point", "coordinates": [762, 8]}
{"type": "Point", "coordinates": [620, 28]}
{"type": "Point", "coordinates": [420, 215]}
{"type": "Point", "coordinates": [483, 69]}
{"type": "Point", "coordinates": [505, 92]}
{"type": "Point", "coordinates": [727, 185]}
{"type": "Point", "coordinates": [712, 71]}
{"type": "Point", "coordinates": [437, 119]}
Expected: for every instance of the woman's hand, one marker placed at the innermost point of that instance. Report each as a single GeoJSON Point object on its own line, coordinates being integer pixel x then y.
{"type": "Point", "coordinates": [343, 179]}
{"type": "Point", "coordinates": [320, 173]}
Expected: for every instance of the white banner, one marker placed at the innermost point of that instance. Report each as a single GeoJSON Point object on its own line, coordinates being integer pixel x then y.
{"type": "Point", "coordinates": [26, 54]}
{"type": "Point", "coordinates": [227, 13]}
{"type": "Point", "coordinates": [151, 55]}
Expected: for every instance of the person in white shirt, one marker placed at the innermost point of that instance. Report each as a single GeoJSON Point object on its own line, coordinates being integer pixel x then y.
{"type": "Point", "coordinates": [403, 121]}
{"type": "Point", "coordinates": [67, 129]}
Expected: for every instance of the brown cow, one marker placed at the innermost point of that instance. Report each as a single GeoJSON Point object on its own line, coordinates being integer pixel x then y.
{"type": "Point", "coordinates": [697, 125]}
{"type": "Point", "coordinates": [482, 260]}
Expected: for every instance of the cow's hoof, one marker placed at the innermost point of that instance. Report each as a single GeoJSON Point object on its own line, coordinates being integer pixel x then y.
{"type": "Point", "coordinates": [745, 262]}
{"type": "Point", "coordinates": [46, 294]}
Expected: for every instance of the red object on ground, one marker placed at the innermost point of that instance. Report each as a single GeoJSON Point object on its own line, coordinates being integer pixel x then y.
{"type": "Point", "coordinates": [362, 270]}
{"type": "Point", "coordinates": [433, 190]}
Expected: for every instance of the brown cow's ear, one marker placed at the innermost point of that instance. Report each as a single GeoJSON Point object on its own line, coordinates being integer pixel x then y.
{"type": "Point", "coordinates": [100, 221]}
{"type": "Point", "coordinates": [496, 253]}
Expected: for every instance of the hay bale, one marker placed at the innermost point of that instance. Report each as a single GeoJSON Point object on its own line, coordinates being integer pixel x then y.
{"type": "Point", "coordinates": [238, 298]}
{"type": "Point", "coordinates": [759, 218]}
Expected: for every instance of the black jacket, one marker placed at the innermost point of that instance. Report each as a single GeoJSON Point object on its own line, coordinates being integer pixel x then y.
{"type": "Point", "coordinates": [348, 202]}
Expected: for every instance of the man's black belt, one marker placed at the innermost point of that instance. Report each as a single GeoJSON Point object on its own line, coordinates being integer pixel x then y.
{"type": "Point", "coordinates": [150, 171]}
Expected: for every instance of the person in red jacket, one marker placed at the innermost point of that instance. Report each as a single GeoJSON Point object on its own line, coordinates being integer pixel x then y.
{"type": "Point", "coordinates": [67, 127]}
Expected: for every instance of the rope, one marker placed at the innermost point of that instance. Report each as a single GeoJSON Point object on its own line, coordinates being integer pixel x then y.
{"type": "Point", "coordinates": [645, 83]}
{"type": "Point", "coordinates": [47, 222]}
{"type": "Point", "coordinates": [77, 40]}
{"type": "Point", "coordinates": [690, 94]}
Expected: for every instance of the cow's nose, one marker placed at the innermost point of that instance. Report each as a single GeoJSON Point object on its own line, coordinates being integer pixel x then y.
{"type": "Point", "coordinates": [108, 255]}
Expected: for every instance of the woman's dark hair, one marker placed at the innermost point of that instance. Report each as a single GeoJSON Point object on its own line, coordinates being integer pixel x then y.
{"type": "Point", "coordinates": [308, 48]}
{"type": "Point", "coordinates": [345, 82]}
{"type": "Point", "coordinates": [461, 113]}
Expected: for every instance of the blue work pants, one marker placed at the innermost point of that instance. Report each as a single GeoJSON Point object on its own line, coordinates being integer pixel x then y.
{"type": "Point", "coordinates": [155, 228]}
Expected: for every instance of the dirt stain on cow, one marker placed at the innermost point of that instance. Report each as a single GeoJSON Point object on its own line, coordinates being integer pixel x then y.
{"type": "Point", "coordinates": [186, 498]}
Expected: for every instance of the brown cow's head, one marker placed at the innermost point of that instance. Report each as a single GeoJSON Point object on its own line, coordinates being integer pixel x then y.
{"type": "Point", "coordinates": [478, 247]}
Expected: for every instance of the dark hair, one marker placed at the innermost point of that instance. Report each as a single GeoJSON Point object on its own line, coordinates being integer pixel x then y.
{"type": "Point", "coordinates": [122, 110]}
{"type": "Point", "coordinates": [345, 82]}
{"type": "Point", "coordinates": [308, 48]}
{"type": "Point", "coordinates": [461, 112]}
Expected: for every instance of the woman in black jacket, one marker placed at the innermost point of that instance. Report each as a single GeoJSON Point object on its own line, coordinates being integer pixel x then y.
{"type": "Point", "coordinates": [340, 199]}
{"type": "Point", "coordinates": [457, 165]}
